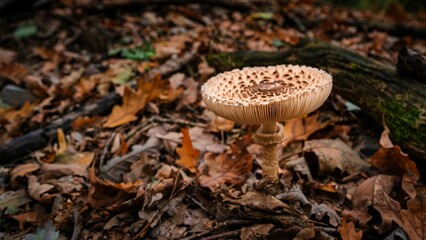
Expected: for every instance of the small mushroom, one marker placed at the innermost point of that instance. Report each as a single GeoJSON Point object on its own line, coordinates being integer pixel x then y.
{"type": "Point", "coordinates": [267, 95]}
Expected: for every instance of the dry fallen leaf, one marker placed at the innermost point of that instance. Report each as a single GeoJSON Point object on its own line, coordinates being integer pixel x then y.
{"type": "Point", "coordinates": [39, 191]}
{"type": "Point", "coordinates": [348, 232]}
{"type": "Point", "coordinates": [188, 156]}
{"type": "Point", "coordinates": [335, 154]}
{"type": "Point", "coordinates": [229, 167]}
{"type": "Point", "coordinates": [374, 192]}
{"type": "Point", "coordinates": [14, 72]}
{"type": "Point", "coordinates": [21, 171]}
{"type": "Point", "coordinates": [133, 102]}
{"type": "Point", "coordinates": [6, 56]}
{"type": "Point", "coordinates": [389, 159]}
{"type": "Point", "coordinates": [220, 124]}
{"type": "Point", "coordinates": [414, 218]}
{"type": "Point", "coordinates": [257, 231]}
{"type": "Point", "coordinates": [300, 128]}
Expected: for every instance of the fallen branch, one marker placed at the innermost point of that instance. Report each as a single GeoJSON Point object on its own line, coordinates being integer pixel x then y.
{"type": "Point", "coordinates": [37, 139]}
{"type": "Point", "coordinates": [100, 4]}
{"type": "Point", "coordinates": [384, 95]}
{"type": "Point", "coordinates": [395, 29]}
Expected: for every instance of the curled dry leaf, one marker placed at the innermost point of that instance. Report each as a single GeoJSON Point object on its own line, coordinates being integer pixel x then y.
{"type": "Point", "coordinates": [39, 191]}
{"type": "Point", "coordinates": [334, 154]}
{"type": "Point", "coordinates": [257, 231]}
{"type": "Point", "coordinates": [105, 193]}
{"type": "Point", "coordinates": [391, 160]}
{"type": "Point", "coordinates": [6, 56]}
{"type": "Point", "coordinates": [21, 171]}
{"type": "Point", "coordinates": [321, 210]}
{"type": "Point", "coordinates": [348, 232]}
{"type": "Point", "coordinates": [414, 218]}
{"type": "Point", "coordinates": [10, 201]}
{"type": "Point", "coordinates": [56, 170]}
{"type": "Point", "coordinates": [134, 101]}
{"type": "Point", "coordinates": [230, 166]}
{"type": "Point", "coordinates": [256, 200]}
{"type": "Point", "coordinates": [188, 156]}
{"type": "Point", "coordinates": [14, 72]}
{"type": "Point", "coordinates": [374, 192]}
{"type": "Point", "coordinates": [220, 124]}
{"type": "Point", "coordinates": [300, 128]}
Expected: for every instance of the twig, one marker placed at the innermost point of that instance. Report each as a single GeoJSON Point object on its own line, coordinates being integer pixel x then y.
{"type": "Point", "coordinates": [178, 121]}
{"type": "Point", "coordinates": [174, 193]}
{"type": "Point", "coordinates": [223, 225]}
{"type": "Point", "coordinates": [105, 151]}
{"type": "Point", "coordinates": [224, 235]}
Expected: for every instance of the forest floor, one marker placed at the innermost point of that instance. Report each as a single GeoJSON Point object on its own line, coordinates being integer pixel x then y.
{"type": "Point", "coordinates": [151, 162]}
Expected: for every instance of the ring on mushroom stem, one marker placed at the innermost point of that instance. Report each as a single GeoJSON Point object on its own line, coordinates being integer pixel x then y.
{"type": "Point", "coordinates": [267, 95]}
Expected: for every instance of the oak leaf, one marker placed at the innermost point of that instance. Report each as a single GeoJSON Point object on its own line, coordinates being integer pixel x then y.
{"type": "Point", "coordinates": [334, 154]}
{"type": "Point", "coordinates": [229, 167]}
{"type": "Point", "coordinates": [374, 192]}
{"type": "Point", "coordinates": [188, 156]}
{"type": "Point", "coordinates": [348, 232]}
{"type": "Point", "coordinates": [300, 128]}
{"type": "Point", "coordinates": [389, 159]}
{"type": "Point", "coordinates": [134, 101]}
{"type": "Point", "coordinates": [414, 218]}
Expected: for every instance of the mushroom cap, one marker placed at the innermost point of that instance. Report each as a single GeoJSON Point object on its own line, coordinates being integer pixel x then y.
{"type": "Point", "coordinates": [266, 94]}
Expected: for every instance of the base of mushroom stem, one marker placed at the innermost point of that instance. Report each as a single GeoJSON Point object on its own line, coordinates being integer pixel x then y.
{"type": "Point", "coordinates": [269, 186]}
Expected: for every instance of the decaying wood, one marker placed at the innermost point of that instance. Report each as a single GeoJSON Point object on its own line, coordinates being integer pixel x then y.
{"type": "Point", "coordinates": [114, 3]}
{"type": "Point", "coordinates": [25, 144]}
{"type": "Point", "coordinates": [412, 64]}
{"type": "Point", "coordinates": [37, 139]}
{"type": "Point", "coordinates": [395, 29]}
{"type": "Point", "coordinates": [386, 96]}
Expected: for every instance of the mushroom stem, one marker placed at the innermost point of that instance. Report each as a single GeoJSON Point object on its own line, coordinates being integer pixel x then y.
{"type": "Point", "coordinates": [269, 136]}
{"type": "Point", "coordinates": [269, 127]}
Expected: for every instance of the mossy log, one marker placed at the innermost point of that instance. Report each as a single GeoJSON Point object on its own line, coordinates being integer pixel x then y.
{"type": "Point", "coordinates": [384, 95]}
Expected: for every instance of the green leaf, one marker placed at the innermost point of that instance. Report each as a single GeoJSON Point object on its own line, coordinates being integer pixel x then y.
{"type": "Point", "coordinates": [25, 31]}
{"type": "Point", "coordinates": [278, 43]}
{"type": "Point", "coordinates": [262, 15]}
{"type": "Point", "coordinates": [139, 53]}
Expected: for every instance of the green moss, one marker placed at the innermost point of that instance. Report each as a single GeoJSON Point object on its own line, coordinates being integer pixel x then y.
{"type": "Point", "coordinates": [402, 120]}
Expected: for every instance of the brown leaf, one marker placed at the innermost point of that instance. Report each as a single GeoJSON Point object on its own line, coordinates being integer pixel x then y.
{"type": "Point", "coordinates": [256, 200]}
{"type": "Point", "coordinates": [14, 72]}
{"type": "Point", "coordinates": [21, 170]}
{"type": "Point", "coordinates": [105, 193]}
{"type": "Point", "coordinates": [81, 123]}
{"type": "Point", "coordinates": [6, 56]}
{"type": "Point", "coordinates": [374, 192]}
{"type": "Point", "coordinates": [300, 128]}
{"type": "Point", "coordinates": [257, 231]}
{"type": "Point", "coordinates": [125, 113]}
{"type": "Point", "coordinates": [27, 217]}
{"type": "Point", "coordinates": [414, 218]}
{"type": "Point", "coordinates": [335, 154]}
{"type": "Point", "coordinates": [39, 191]}
{"type": "Point", "coordinates": [14, 115]}
{"type": "Point", "coordinates": [133, 102]}
{"type": "Point", "coordinates": [220, 124]}
{"type": "Point", "coordinates": [226, 167]}
{"type": "Point", "coordinates": [348, 232]}
{"type": "Point", "coordinates": [389, 159]}
{"type": "Point", "coordinates": [10, 201]}
{"type": "Point", "coordinates": [188, 156]}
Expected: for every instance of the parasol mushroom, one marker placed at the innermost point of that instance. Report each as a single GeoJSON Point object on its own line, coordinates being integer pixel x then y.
{"type": "Point", "coordinates": [267, 95]}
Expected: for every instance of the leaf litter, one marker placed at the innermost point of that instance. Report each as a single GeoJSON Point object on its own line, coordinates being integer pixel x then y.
{"type": "Point", "coordinates": [161, 166]}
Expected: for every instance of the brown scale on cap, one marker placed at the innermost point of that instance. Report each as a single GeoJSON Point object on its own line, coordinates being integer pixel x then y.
{"type": "Point", "coordinates": [266, 94]}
